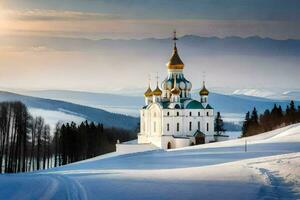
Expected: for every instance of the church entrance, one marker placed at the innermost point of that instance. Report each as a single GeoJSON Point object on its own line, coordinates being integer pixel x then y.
{"type": "Point", "coordinates": [199, 137]}
{"type": "Point", "coordinates": [169, 145]}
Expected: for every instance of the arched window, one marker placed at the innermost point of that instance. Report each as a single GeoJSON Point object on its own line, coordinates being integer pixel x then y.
{"type": "Point", "coordinates": [168, 127]}
{"type": "Point", "coordinates": [177, 113]}
{"type": "Point", "coordinates": [207, 127]}
{"type": "Point", "coordinates": [190, 113]}
{"type": "Point", "coordinates": [154, 114]}
{"type": "Point", "coordinates": [154, 128]}
{"type": "Point", "coordinates": [199, 114]}
{"type": "Point", "coordinates": [207, 113]}
{"type": "Point", "coordinates": [199, 126]}
{"type": "Point", "coordinates": [190, 126]}
{"type": "Point", "coordinates": [168, 113]}
{"type": "Point", "coordinates": [169, 145]}
{"type": "Point", "coordinates": [177, 127]}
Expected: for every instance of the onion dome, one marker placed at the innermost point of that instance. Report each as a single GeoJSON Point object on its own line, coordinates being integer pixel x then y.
{"type": "Point", "coordinates": [175, 62]}
{"type": "Point", "coordinates": [157, 92]}
{"type": "Point", "coordinates": [175, 90]}
{"type": "Point", "coordinates": [148, 92]}
{"type": "Point", "coordinates": [203, 91]}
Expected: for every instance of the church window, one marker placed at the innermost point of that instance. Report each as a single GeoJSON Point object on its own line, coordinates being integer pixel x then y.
{"type": "Point", "coordinates": [177, 127]}
{"type": "Point", "coordinates": [168, 113]}
{"type": "Point", "coordinates": [168, 127]}
{"type": "Point", "coordinates": [177, 113]}
{"type": "Point", "coordinates": [199, 114]}
{"type": "Point", "coordinates": [190, 113]}
{"type": "Point", "coordinates": [207, 113]}
{"type": "Point", "coordinates": [190, 126]}
{"type": "Point", "coordinates": [198, 126]}
{"type": "Point", "coordinates": [154, 128]}
{"type": "Point", "coordinates": [207, 127]}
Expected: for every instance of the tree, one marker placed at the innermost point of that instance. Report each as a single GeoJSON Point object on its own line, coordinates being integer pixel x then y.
{"type": "Point", "coordinates": [246, 124]}
{"type": "Point", "coordinates": [219, 124]}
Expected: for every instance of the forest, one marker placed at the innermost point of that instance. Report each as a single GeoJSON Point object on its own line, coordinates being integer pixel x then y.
{"type": "Point", "coordinates": [27, 143]}
{"type": "Point", "coordinates": [270, 119]}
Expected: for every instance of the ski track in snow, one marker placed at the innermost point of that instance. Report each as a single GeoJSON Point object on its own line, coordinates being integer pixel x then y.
{"type": "Point", "coordinates": [269, 170]}
{"type": "Point", "coordinates": [275, 187]}
{"type": "Point", "coordinates": [72, 189]}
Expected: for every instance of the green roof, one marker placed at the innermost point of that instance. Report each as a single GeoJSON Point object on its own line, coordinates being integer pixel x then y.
{"type": "Point", "coordinates": [198, 132]}
{"type": "Point", "coordinates": [194, 105]}
{"type": "Point", "coordinates": [209, 107]}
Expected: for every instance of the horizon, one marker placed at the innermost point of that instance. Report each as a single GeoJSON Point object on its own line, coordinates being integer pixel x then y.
{"type": "Point", "coordinates": [49, 45]}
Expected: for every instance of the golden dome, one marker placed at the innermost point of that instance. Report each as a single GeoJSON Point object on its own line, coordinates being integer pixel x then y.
{"type": "Point", "coordinates": [204, 91]}
{"type": "Point", "coordinates": [157, 92]}
{"type": "Point", "coordinates": [175, 90]}
{"type": "Point", "coordinates": [175, 62]}
{"type": "Point", "coordinates": [148, 92]}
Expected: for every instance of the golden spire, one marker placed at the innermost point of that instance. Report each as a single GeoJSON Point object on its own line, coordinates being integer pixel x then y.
{"type": "Point", "coordinates": [157, 91]}
{"type": "Point", "coordinates": [175, 90]}
{"type": "Point", "coordinates": [149, 92]}
{"type": "Point", "coordinates": [175, 62]}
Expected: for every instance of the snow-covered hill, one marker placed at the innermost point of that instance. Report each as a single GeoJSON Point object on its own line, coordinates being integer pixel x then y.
{"type": "Point", "coordinates": [130, 105]}
{"type": "Point", "coordinates": [57, 110]}
{"type": "Point", "coordinates": [270, 169]}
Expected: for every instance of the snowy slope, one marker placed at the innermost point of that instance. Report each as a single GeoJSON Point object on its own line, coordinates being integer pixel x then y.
{"type": "Point", "coordinates": [57, 110]}
{"type": "Point", "coordinates": [270, 169]}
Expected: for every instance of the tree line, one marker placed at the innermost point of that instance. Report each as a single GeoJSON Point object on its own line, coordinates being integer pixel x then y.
{"type": "Point", "coordinates": [271, 119]}
{"type": "Point", "coordinates": [26, 142]}
{"type": "Point", "coordinates": [74, 142]}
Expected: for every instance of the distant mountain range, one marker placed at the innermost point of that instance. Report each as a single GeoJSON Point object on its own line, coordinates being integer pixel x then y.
{"type": "Point", "coordinates": [195, 44]}
{"type": "Point", "coordinates": [238, 104]}
{"type": "Point", "coordinates": [84, 112]}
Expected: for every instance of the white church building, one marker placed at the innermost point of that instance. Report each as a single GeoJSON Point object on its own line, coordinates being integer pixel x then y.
{"type": "Point", "coordinates": [171, 118]}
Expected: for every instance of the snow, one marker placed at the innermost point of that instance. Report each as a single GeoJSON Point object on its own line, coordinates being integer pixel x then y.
{"type": "Point", "coordinates": [52, 117]}
{"type": "Point", "coordinates": [270, 169]}
{"type": "Point", "coordinates": [254, 92]}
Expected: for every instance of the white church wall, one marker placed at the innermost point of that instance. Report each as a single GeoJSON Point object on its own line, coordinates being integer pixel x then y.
{"type": "Point", "coordinates": [182, 142]}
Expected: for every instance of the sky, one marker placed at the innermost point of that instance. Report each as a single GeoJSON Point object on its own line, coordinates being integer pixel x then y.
{"type": "Point", "coordinates": [151, 18]}
{"type": "Point", "coordinates": [40, 67]}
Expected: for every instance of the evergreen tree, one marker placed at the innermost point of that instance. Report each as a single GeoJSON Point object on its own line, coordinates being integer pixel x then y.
{"type": "Point", "coordinates": [246, 124]}
{"type": "Point", "coordinates": [219, 124]}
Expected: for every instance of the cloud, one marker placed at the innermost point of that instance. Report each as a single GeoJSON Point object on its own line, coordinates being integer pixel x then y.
{"type": "Point", "coordinates": [55, 15]}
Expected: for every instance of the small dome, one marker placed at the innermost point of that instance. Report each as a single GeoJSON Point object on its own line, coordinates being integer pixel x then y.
{"type": "Point", "coordinates": [203, 91]}
{"type": "Point", "coordinates": [157, 92]}
{"type": "Point", "coordinates": [175, 91]}
{"type": "Point", "coordinates": [148, 92]}
{"type": "Point", "coordinates": [182, 85]}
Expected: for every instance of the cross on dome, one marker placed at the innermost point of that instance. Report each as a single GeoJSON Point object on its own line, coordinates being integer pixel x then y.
{"type": "Point", "coordinates": [175, 62]}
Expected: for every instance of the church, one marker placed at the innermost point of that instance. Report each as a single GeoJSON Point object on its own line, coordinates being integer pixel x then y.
{"type": "Point", "coordinates": [171, 118]}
